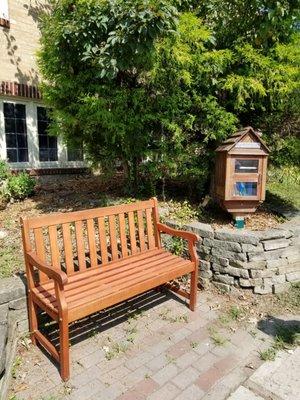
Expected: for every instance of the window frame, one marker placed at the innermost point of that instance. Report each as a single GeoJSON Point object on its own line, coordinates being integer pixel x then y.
{"type": "Point", "coordinates": [32, 138]}
{"type": "Point", "coordinates": [16, 133]}
{"type": "Point", "coordinates": [47, 137]}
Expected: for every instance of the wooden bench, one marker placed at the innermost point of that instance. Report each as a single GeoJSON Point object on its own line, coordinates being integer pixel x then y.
{"type": "Point", "coordinates": [79, 263]}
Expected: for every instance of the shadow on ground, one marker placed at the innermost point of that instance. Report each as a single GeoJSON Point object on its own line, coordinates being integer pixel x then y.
{"type": "Point", "coordinates": [106, 319]}
{"type": "Point", "coordinates": [287, 330]}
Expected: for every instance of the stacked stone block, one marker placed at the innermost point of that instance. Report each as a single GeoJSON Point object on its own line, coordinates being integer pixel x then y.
{"type": "Point", "coordinates": [263, 261]}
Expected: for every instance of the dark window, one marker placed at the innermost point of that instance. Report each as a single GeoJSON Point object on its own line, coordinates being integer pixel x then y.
{"type": "Point", "coordinates": [75, 154]}
{"type": "Point", "coordinates": [15, 132]}
{"type": "Point", "coordinates": [246, 166]}
{"type": "Point", "coordinates": [47, 143]}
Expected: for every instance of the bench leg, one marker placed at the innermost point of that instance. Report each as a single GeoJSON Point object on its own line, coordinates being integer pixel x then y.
{"type": "Point", "coordinates": [193, 294]}
{"type": "Point", "coordinates": [64, 357]}
{"type": "Point", "coordinates": [33, 321]}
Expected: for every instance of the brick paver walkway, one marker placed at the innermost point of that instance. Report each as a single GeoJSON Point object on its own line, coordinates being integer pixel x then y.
{"type": "Point", "coordinates": [152, 348]}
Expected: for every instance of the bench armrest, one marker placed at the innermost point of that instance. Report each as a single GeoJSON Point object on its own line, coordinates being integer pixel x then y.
{"type": "Point", "coordinates": [59, 276]}
{"type": "Point", "coordinates": [190, 236]}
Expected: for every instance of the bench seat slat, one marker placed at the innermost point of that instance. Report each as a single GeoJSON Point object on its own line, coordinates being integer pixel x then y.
{"type": "Point", "coordinates": [103, 284]}
{"type": "Point", "coordinates": [111, 276]}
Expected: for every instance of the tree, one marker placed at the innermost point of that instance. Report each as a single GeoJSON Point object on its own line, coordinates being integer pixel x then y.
{"type": "Point", "coordinates": [155, 84]}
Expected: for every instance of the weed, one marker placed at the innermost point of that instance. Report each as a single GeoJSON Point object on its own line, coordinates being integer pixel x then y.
{"type": "Point", "coordinates": [165, 316]}
{"type": "Point", "coordinates": [253, 333]}
{"type": "Point", "coordinates": [287, 337]}
{"type": "Point", "coordinates": [115, 350]}
{"type": "Point", "coordinates": [236, 313]}
{"type": "Point", "coordinates": [194, 345]}
{"type": "Point", "coordinates": [170, 359]}
{"type": "Point", "coordinates": [217, 339]}
{"type": "Point", "coordinates": [15, 366]}
{"type": "Point", "coordinates": [268, 355]}
{"type": "Point", "coordinates": [147, 376]}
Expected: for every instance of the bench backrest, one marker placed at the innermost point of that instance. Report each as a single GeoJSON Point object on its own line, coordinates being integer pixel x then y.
{"type": "Point", "coordinates": [77, 241]}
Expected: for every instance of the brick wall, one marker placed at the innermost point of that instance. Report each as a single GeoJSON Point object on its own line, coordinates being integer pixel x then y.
{"type": "Point", "coordinates": [19, 42]}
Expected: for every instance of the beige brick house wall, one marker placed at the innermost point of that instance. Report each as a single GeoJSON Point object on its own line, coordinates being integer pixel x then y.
{"type": "Point", "coordinates": [19, 81]}
{"type": "Point", "coordinates": [19, 42]}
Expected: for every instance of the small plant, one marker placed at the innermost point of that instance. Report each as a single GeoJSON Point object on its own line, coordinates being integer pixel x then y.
{"type": "Point", "coordinates": [115, 350]}
{"type": "Point", "coordinates": [235, 313]}
{"type": "Point", "coordinates": [177, 246]}
{"type": "Point", "coordinates": [217, 339]}
{"type": "Point", "coordinates": [15, 367]}
{"type": "Point", "coordinates": [181, 212]}
{"type": "Point", "coordinates": [19, 186]}
{"type": "Point", "coordinates": [165, 315]}
{"type": "Point", "coordinates": [287, 337]}
{"type": "Point", "coordinates": [268, 355]}
{"type": "Point", "coordinates": [194, 345]}
{"type": "Point", "coordinates": [4, 171]}
{"type": "Point", "coordinates": [170, 359]}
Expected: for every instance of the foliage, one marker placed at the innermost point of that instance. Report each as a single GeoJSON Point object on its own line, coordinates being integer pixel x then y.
{"type": "Point", "coordinates": [19, 186]}
{"type": "Point", "coordinates": [155, 85]}
{"type": "Point", "coordinates": [283, 188]}
{"type": "Point", "coordinates": [4, 171]}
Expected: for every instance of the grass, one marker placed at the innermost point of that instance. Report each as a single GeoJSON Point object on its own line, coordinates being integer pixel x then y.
{"type": "Point", "coordinates": [291, 298]}
{"type": "Point", "coordinates": [287, 338]}
{"type": "Point", "coordinates": [165, 315]}
{"type": "Point", "coordinates": [283, 188]}
{"type": "Point", "coordinates": [15, 367]}
{"type": "Point", "coordinates": [115, 350]}
{"type": "Point", "coordinates": [268, 355]}
{"type": "Point", "coordinates": [216, 338]}
{"type": "Point", "coordinates": [9, 260]}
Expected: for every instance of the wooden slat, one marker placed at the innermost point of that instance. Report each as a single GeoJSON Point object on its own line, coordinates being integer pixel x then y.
{"type": "Point", "coordinates": [92, 242]}
{"type": "Point", "coordinates": [102, 240]}
{"type": "Point", "coordinates": [123, 238]}
{"type": "Point", "coordinates": [155, 222]}
{"type": "Point", "coordinates": [150, 234]}
{"type": "Point", "coordinates": [132, 232]}
{"type": "Point", "coordinates": [68, 248]}
{"type": "Point", "coordinates": [124, 285]}
{"type": "Point", "coordinates": [80, 245]}
{"type": "Point", "coordinates": [55, 255]}
{"type": "Point", "coordinates": [40, 250]}
{"type": "Point", "coordinates": [111, 276]}
{"type": "Point", "coordinates": [113, 298]}
{"type": "Point", "coordinates": [112, 266]}
{"type": "Point", "coordinates": [47, 344]}
{"type": "Point", "coordinates": [124, 280]}
{"type": "Point", "coordinates": [60, 218]}
{"type": "Point", "coordinates": [141, 230]}
{"type": "Point", "coordinates": [113, 237]}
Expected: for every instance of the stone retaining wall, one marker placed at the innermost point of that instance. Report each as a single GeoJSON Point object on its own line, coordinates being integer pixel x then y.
{"type": "Point", "coordinates": [13, 323]}
{"type": "Point", "coordinates": [264, 261]}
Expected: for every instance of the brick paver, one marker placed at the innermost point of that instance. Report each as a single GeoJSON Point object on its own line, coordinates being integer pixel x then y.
{"type": "Point", "coordinates": [150, 348]}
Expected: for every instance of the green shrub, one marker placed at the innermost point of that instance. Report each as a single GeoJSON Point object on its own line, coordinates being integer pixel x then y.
{"type": "Point", "coordinates": [19, 186]}
{"type": "Point", "coordinates": [285, 151]}
{"type": "Point", "coordinates": [4, 171]}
